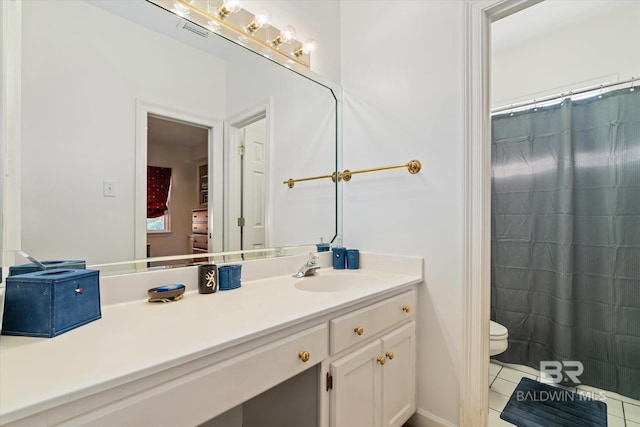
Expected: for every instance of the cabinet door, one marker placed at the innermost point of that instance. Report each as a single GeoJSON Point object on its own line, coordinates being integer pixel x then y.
{"type": "Point", "coordinates": [399, 376]}
{"type": "Point", "coordinates": [356, 394]}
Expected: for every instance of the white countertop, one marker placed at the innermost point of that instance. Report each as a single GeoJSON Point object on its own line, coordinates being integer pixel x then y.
{"type": "Point", "coordinates": [136, 339]}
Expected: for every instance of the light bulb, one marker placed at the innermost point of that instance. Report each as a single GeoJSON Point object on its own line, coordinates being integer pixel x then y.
{"type": "Point", "coordinates": [262, 18]}
{"type": "Point", "coordinates": [228, 7]}
{"type": "Point", "coordinates": [233, 5]}
{"type": "Point", "coordinates": [286, 36]}
{"type": "Point", "coordinates": [309, 46]}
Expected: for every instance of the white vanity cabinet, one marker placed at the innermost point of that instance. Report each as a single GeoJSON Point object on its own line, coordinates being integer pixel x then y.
{"type": "Point", "coordinates": [267, 341]}
{"type": "Point", "coordinates": [373, 382]}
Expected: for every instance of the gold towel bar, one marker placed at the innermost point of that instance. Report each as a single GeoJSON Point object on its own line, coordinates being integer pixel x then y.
{"type": "Point", "coordinates": [412, 166]}
{"type": "Point", "coordinates": [291, 182]}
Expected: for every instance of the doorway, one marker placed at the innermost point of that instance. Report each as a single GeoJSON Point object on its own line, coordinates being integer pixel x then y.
{"type": "Point", "coordinates": [191, 147]}
{"type": "Point", "coordinates": [177, 154]}
{"type": "Point", "coordinates": [248, 183]}
{"type": "Point", "coordinates": [551, 45]}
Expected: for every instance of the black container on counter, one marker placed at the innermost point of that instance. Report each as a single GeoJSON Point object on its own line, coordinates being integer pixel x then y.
{"type": "Point", "coordinates": [207, 278]}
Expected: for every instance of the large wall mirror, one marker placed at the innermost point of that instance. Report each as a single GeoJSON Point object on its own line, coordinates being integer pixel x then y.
{"type": "Point", "coordinates": [112, 87]}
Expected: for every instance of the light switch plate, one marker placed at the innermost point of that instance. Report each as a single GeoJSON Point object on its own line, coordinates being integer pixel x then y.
{"type": "Point", "coordinates": [109, 188]}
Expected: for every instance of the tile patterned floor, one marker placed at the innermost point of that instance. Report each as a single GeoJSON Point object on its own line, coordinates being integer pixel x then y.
{"type": "Point", "coordinates": [503, 379]}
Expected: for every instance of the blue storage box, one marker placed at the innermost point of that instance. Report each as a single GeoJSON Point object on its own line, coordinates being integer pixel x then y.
{"type": "Point", "coordinates": [51, 302]}
{"type": "Point", "coordinates": [14, 270]}
{"type": "Point", "coordinates": [229, 276]}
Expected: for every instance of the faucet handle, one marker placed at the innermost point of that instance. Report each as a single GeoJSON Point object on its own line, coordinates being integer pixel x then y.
{"type": "Point", "coordinates": [313, 257]}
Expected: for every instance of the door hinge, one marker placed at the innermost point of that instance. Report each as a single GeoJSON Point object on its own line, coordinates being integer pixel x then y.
{"type": "Point", "coordinates": [240, 222]}
{"type": "Point", "coordinates": [329, 382]}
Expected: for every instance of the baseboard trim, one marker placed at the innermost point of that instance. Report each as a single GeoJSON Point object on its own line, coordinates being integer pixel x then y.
{"type": "Point", "coordinates": [424, 418]}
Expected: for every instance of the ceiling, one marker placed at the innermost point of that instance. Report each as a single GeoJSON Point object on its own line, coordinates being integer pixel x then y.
{"type": "Point", "coordinates": [550, 16]}
{"type": "Point", "coordinates": [168, 132]}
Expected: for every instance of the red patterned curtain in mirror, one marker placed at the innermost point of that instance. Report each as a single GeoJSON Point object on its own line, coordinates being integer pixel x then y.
{"type": "Point", "coordinates": [158, 184]}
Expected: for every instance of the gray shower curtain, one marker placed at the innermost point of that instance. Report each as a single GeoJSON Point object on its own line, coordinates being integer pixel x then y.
{"type": "Point", "coordinates": [565, 256]}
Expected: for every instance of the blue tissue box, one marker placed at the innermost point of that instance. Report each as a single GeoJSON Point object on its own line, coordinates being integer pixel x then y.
{"type": "Point", "coordinates": [14, 270]}
{"type": "Point", "coordinates": [50, 302]}
{"type": "Point", "coordinates": [229, 276]}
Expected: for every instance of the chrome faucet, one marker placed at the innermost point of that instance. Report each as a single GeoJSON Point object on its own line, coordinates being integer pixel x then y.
{"type": "Point", "coordinates": [309, 269]}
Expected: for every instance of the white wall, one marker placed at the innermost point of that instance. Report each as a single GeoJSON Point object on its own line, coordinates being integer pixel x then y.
{"type": "Point", "coordinates": [78, 122]}
{"type": "Point", "coordinates": [402, 75]}
{"type": "Point", "coordinates": [577, 55]}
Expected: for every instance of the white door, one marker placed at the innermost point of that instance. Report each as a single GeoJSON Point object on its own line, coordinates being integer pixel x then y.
{"type": "Point", "coordinates": [398, 376]}
{"type": "Point", "coordinates": [356, 394]}
{"type": "Point", "coordinates": [253, 192]}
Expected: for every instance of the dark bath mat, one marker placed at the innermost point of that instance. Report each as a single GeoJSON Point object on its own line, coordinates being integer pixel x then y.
{"type": "Point", "coordinates": [534, 404]}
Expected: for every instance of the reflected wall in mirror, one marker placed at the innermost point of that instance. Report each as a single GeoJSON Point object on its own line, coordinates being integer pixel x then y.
{"type": "Point", "coordinates": [89, 66]}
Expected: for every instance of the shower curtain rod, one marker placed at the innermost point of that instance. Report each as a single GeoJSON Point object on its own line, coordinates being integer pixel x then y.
{"type": "Point", "coordinates": [542, 100]}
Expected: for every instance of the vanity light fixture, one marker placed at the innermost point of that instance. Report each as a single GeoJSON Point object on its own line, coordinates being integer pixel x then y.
{"type": "Point", "coordinates": [253, 30]}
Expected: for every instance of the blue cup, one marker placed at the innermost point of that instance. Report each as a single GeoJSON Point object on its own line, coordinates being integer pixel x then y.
{"type": "Point", "coordinates": [229, 277]}
{"type": "Point", "coordinates": [353, 259]}
{"type": "Point", "coordinates": [339, 258]}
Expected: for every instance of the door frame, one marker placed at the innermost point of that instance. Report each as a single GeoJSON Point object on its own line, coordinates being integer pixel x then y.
{"type": "Point", "coordinates": [10, 122]}
{"type": "Point", "coordinates": [474, 385]}
{"type": "Point", "coordinates": [231, 127]}
{"type": "Point", "coordinates": [216, 175]}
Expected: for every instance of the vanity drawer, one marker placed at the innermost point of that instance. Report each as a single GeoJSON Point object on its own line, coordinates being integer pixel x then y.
{"type": "Point", "coordinates": [200, 227]}
{"type": "Point", "coordinates": [358, 326]}
{"type": "Point", "coordinates": [208, 392]}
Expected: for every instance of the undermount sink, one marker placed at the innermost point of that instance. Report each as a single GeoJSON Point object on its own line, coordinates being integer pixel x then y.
{"type": "Point", "coordinates": [334, 283]}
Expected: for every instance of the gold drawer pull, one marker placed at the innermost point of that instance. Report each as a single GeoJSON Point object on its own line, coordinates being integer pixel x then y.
{"type": "Point", "coordinates": [359, 330]}
{"type": "Point", "coordinates": [380, 360]}
{"type": "Point", "coordinates": [390, 355]}
{"type": "Point", "coordinates": [406, 308]}
{"type": "Point", "coordinates": [304, 356]}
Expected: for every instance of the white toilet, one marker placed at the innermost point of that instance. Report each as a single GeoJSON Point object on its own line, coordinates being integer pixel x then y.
{"type": "Point", "coordinates": [498, 338]}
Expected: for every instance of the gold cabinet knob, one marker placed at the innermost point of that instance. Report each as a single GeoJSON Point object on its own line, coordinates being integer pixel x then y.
{"type": "Point", "coordinates": [304, 356]}
{"type": "Point", "coordinates": [406, 308]}
{"type": "Point", "coordinates": [359, 330]}
{"type": "Point", "coordinates": [380, 360]}
{"type": "Point", "coordinates": [390, 355]}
